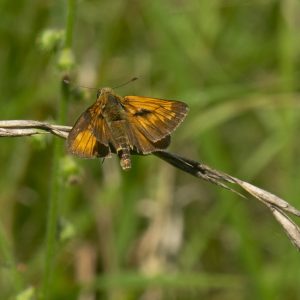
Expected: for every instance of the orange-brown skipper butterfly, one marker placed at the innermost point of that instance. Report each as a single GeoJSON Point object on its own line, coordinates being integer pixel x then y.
{"type": "Point", "coordinates": [124, 125]}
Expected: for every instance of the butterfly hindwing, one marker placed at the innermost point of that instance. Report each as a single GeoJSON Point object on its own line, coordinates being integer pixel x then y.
{"type": "Point", "coordinates": [140, 144]}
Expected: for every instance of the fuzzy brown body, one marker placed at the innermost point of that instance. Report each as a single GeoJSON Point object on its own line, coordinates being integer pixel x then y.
{"type": "Point", "coordinates": [116, 119]}
{"type": "Point", "coordinates": [124, 125]}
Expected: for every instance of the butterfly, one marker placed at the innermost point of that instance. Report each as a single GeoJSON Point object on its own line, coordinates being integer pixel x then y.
{"type": "Point", "coordinates": [125, 126]}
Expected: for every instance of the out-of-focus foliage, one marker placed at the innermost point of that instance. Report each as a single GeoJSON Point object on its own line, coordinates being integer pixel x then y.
{"type": "Point", "coordinates": [153, 232]}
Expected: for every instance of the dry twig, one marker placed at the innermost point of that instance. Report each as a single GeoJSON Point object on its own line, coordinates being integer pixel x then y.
{"type": "Point", "coordinates": [14, 128]}
{"type": "Point", "coordinates": [279, 207]}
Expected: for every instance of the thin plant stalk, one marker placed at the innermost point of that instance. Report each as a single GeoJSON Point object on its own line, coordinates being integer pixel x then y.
{"type": "Point", "coordinates": [56, 192]}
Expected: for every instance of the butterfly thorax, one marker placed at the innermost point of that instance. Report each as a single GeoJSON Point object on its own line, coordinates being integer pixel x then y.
{"type": "Point", "coordinates": [113, 109]}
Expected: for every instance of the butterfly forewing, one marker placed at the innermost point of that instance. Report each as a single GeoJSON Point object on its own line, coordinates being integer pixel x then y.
{"type": "Point", "coordinates": [89, 136]}
{"type": "Point", "coordinates": [154, 118]}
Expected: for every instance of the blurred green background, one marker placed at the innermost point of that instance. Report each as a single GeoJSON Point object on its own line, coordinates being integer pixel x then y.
{"type": "Point", "coordinates": [79, 229]}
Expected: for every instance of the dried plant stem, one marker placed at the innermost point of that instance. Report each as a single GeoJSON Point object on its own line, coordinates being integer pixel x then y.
{"type": "Point", "coordinates": [15, 128]}
{"type": "Point", "coordinates": [278, 207]}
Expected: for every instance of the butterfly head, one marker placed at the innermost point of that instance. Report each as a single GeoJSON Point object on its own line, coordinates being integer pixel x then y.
{"type": "Point", "coordinates": [104, 92]}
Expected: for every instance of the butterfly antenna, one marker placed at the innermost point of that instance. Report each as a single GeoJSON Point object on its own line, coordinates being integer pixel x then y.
{"type": "Point", "coordinates": [131, 80]}
{"type": "Point", "coordinates": [67, 81]}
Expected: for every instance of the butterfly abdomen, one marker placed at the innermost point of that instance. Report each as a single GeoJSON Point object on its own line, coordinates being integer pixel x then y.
{"type": "Point", "coordinates": [123, 151]}
{"type": "Point", "coordinates": [125, 160]}
{"type": "Point", "coordinates": [121, 143]}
